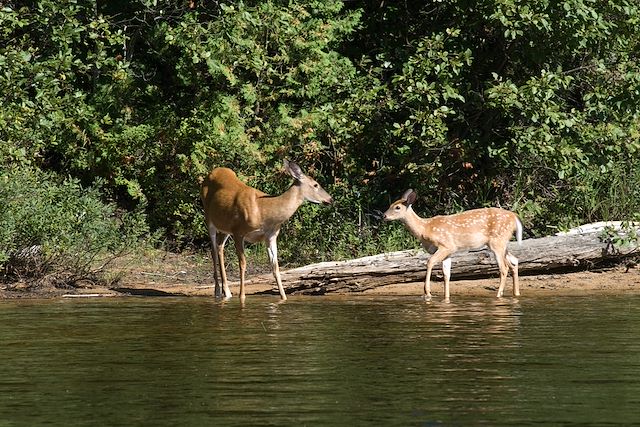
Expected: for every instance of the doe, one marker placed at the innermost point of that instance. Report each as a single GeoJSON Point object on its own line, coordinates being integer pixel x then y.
{"type": "Point", "coordinates": [232, 208]}
{"type": "Point", "coordinates": [442, 236]}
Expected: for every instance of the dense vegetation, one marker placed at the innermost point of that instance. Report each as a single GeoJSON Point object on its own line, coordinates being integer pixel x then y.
{"type": "Point", "coordinates": [59, 233]}
{"type": "Point", "coordinates": [529, 105]}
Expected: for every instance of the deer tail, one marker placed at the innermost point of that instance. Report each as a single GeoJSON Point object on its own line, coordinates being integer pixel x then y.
{"type": "Point", "coordinates": [519, 230]}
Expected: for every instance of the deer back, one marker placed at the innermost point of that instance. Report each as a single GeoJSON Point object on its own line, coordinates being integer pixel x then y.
{"type": "Point", "coordinates": [471, 229]}
{"type": "Point", "coordinates": [229, 204]}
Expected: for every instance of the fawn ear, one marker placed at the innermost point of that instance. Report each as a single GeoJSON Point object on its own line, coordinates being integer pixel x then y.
{"type": "Point", "coordinates": [409, 197]}
{"type": "Point", "coordinates": [293, 169]}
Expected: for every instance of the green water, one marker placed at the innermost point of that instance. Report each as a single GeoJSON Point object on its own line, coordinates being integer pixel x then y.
{"type": "Point", "coordinates": [320, 361]}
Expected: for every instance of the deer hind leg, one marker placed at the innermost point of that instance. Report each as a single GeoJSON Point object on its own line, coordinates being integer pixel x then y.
{"type": "Point", "coordinates": [446, 271]}
{"type": "Point", "coordinates": [512, 262]}
{"type": "Point", "coordinates": [272, 250]}
{"type": "Point", "coordinates": [215, 238]}
{"type": "Point", "coordinates": [221, 240]}
{"type": "Point", "coordinates": [242, 261]}
{"type": "Point", "coordinates": [214, 258]}
{"type": "Point", "coordinates": [501, 258]}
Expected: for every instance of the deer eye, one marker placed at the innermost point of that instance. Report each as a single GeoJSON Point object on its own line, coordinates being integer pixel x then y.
{"type": "Point", "coordinates": [398, 207]}
{"type": "Point", "coordinates": [316, 185]}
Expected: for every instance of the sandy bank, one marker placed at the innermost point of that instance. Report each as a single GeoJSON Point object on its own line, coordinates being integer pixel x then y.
{"type": "Point", "coordinates": [189, 276]}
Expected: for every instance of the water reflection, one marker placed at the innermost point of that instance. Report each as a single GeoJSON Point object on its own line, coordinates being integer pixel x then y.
{"type": "Point", "coordinates": [320, 361]}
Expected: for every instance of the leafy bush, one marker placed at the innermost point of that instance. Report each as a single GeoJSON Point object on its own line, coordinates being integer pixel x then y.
{"type": "Point", "coordinates": [55, 229]}
{"type": "Point", "coordinates": [349, 228]}
{"type": "Point", "coordinates": [530, 106]}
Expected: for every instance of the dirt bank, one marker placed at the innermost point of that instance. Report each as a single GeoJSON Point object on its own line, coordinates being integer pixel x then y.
{"type": "Point", "coordinates": [190, 275]}
{"type": "Point", "coordinates": [614, 280]}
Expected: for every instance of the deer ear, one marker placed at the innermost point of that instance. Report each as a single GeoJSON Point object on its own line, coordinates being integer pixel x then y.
{"type": "Point", "coordinates": [409, 197]}
{"type": "Point", "coordinates": [293, 169]}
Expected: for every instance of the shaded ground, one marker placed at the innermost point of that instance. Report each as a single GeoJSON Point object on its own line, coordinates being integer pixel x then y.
{"type": "Point", "coordinates": [167, 274]}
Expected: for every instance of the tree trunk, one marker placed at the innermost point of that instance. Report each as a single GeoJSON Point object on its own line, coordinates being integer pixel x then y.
{"type": "Point", "coordinates": [543, 255]}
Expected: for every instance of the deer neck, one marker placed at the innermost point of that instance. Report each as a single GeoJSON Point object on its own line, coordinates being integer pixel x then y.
{"type": "Point", "coordinates": [414, 223]}
{"type": "Point", "coordinates": [282, 207]}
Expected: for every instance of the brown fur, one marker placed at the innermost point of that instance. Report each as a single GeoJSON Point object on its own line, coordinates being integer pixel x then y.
{"type": "Point", "coordinates": [232, 208]}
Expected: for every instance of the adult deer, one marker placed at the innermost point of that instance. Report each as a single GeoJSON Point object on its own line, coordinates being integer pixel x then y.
{"type": "Point", "coordinates": [442, 236]}
{"type": "Point", "coordinates": [232, 208]}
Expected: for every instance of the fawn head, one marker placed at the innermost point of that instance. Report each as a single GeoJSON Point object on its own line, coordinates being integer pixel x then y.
{"type": "Point", "coordinates": [398, 209]}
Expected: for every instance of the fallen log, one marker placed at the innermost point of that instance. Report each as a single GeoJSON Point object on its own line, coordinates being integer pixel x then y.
{"type": "Point", "coordinates": [543, 255]}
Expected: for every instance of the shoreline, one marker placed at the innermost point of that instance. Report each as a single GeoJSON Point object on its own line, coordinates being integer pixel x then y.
{"type": "Point", "coordinates": [150, 282]}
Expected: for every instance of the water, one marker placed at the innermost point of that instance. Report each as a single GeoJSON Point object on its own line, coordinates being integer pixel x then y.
{"type": "Point", "coordinates": [321, 361]}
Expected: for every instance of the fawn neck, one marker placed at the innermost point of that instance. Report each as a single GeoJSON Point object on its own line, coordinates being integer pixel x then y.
{"type": "Point", "coordinates": [414, 223]}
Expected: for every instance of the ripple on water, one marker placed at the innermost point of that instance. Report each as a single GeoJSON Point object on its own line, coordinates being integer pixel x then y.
{"type": "Point", "coordinates": [321, 361]}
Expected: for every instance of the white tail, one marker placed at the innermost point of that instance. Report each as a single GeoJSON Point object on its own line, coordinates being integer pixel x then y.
{"type": "Point", "coordinates": [442, 236]}
{"type": "Point", "coordinates": [232, 208]}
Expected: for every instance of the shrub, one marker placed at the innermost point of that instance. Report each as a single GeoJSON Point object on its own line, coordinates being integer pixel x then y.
{"type": "Point", "coordinates": [56, 230]}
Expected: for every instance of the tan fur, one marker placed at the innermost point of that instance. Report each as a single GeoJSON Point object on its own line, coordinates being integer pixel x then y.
{"type": "Point", "coordinates": [232, 208]}
{"type": "Point", "coordinates": [442, 236]}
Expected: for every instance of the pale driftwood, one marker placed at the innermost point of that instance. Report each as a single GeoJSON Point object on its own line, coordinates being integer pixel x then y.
{"type": "Point", "coordinates": [543, 255]}
{"type": "Point", "coordinates": [100, 295]}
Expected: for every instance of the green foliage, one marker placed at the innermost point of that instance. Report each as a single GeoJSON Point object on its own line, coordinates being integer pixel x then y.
{"type": "Point", "coordinates": [625, 237]}
{"type": "Point", "coordinates": [321, 233]}
{"type": "Point", "coordinates": [56, 67]}
{"type": "Point", "coordinates": [592, 195]}
{"type": "Point", "coordinates": [57, 228]}
{"type": "Point", "coordinates": [527, 105]}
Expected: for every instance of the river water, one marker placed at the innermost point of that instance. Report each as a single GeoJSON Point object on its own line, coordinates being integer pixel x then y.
{"type": "Point", "coordinates": [321, 361]}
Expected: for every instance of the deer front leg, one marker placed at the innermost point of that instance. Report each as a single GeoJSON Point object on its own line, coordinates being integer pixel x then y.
{"type": "Point", "coordinates": [272, 249]}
